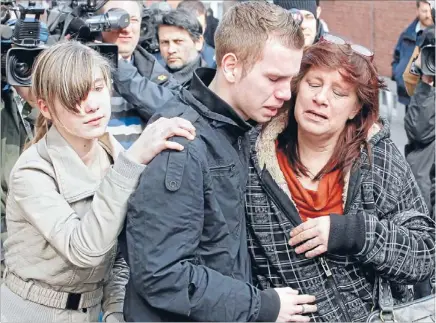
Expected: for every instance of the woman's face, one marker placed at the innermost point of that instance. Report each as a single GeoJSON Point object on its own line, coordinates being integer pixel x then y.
{"type": "Point", "coordinates": [324, 103]}
{"type": "Point", "coordinates": [95, 112]}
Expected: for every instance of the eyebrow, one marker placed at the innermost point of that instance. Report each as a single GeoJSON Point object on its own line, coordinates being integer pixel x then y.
{"type": "Point", "coordinates": [279, 74]}
{"type": "Point", "coordinates": [100, 79]}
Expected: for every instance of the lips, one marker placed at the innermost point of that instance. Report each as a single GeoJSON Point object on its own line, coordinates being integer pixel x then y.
{"type": "Point", "coordinates": [94, 120]}
{"type": "Point", "coordinates": [317, 114]}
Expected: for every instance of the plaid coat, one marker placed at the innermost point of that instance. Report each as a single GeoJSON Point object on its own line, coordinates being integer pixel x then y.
{"type": "Point", "coordinates": [381, 192]}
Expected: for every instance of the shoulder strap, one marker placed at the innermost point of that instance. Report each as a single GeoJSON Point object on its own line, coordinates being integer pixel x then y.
{"type": "Point", "coordinates": [177, 159]}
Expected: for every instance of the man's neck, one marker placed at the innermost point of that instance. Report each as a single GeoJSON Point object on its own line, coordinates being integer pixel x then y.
{"type": "Point", "coordinates": [185, 73]}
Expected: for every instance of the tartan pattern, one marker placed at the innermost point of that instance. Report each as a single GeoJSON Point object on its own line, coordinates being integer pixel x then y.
{"type": "Point", "coordinates": [399, 243]}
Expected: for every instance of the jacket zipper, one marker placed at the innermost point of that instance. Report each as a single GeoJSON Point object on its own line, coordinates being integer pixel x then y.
{"type": "Point", "coordinates": [323, 262]}
{"type": "Point", "coordinates": [333, 284]}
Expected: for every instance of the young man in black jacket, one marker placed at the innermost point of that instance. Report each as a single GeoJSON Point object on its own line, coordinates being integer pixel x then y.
{"type": "Point", "coordinates": [185, 238]}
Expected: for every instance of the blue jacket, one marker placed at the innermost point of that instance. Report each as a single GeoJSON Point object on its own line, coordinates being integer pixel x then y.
{"type": "Point", "coordinates": [402, 54]}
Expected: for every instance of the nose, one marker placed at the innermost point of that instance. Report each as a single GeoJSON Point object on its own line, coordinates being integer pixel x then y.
{"type": "Point", "coordinates": [171, 48]}
{"type": "Point", "coordinates": [91, 104]}
{"type": "Point", "coordinates": [321, 96]}
{"type": "Point", "coordinates": [284, 93]}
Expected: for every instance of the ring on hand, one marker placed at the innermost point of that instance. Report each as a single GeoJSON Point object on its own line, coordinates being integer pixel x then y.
{"type": "Point", "coordinates": [303, 309]}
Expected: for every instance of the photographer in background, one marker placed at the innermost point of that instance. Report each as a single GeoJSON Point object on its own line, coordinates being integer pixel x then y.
{"type": "Point", "coordinates": [128, 120]}
{"type": "Point", "coordinates": [419, 123]}
{"type": "Point", "coordinates": [18, 113]}
{"type": "Point", "coordinates": [404, 48]}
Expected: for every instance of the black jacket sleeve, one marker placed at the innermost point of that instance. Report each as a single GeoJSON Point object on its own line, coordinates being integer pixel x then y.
{"type": "Point", "coordinates": [147, 96]}
{"type": "Point", "coordinates": [419, 119]}
{"type": "Point", "coordinates": [164, 225]}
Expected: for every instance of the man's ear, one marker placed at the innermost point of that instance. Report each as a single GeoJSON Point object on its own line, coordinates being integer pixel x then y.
{"type": "Point", "coordinates": [318, 12]}
{"type": "Point", "coordinates": [199, 44]}
{"type": "Point", "coordinates": [43, 107]}
{"type": "Point", "coordinates": [231, 67]}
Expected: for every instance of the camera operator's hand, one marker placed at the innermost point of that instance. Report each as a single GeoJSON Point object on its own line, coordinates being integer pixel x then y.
{"type": "Point", "coordinates": [428, 79]}
{"type": "Point", "coordinates": [294, 306]}
{"type": "Point", "coordinates": [417, 61]}
{"type": "Point", "coordinates": [27, 95]}
{"type": "Point", "coordinates": [154, 139]}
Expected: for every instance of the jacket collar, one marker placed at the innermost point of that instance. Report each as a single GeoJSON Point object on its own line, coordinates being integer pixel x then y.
{"type": "Point", "coordinates": [212, 106]}
{"type": "Point", "coordinates": [73, 177]}
{"type": "Point", "coordinates": [184, 75]}
{"type": "Point", "coordinates": [410, 32]}
{"type": "Point", "coordinates": [265, 150]}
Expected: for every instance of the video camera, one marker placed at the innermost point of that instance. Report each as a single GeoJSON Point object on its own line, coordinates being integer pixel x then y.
{"type": "Point", "coordinates": [427, 46]}
{"type": "Point", "coordinates": [79, 19]}
{"type": "Point", "coordinates": [20, 41]}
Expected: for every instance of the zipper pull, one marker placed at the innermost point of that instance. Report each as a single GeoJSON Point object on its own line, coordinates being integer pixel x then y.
{"type": "Point", "coordinates": [326, 267]}
{"type": "Point", "coordinates": [240, 143]}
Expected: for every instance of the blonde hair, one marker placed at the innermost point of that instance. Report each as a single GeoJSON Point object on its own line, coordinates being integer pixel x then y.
{"type": "Point", "coordinates": [246, 27]}
{"type": "Point", "coordinates": [65, 72]}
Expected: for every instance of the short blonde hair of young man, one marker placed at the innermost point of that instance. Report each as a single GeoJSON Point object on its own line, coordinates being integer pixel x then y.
{"type": "Point", "coordinates": [246, 27]}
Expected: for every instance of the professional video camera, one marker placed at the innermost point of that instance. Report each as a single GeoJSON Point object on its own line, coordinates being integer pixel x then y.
{"type": "Point", "coordinates": [80, 20]}
{"type": "Point", "coordinates": [427, 46]}
{"type": "Point", "coordinates": [24, 34]}
{"type": "Point", "coordinates": [148, 37]}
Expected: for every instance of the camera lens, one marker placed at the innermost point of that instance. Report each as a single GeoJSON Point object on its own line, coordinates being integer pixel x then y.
{"type": "Point", "coordinates": [20, 64]}
{"type": "Point", "coordinates": [429, 62]}
{"type": "Point", "coordinates": [21, 69]}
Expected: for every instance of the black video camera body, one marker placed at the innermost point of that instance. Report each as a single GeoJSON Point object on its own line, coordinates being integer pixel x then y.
{"type": "Point", "coordinates": [427, 47]}
{"type": "Point", "coordinates": [21, 42]}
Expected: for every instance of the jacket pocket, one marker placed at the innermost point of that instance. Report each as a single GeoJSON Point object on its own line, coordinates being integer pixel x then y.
{"type": "Point", "coordinates": [224, 170]}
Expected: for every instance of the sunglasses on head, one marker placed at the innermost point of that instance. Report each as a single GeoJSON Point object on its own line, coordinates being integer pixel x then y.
{"type": "Point", "coordinates": [358, 49]}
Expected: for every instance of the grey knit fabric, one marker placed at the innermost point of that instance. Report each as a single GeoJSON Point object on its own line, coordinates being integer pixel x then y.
{"type": "Point", "coordinates": [308, 5]}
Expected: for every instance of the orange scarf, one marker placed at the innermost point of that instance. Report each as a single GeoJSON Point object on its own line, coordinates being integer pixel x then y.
{"type": "Point", "coordinates": [312, 204]}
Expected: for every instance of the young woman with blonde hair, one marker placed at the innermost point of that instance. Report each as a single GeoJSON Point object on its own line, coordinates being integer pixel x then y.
{"type": "Point", "coordinates": [68, 194]}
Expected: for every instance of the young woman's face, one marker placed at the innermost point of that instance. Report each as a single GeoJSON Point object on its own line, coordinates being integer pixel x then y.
{"type": "Point", "coordinates": [95, 112]}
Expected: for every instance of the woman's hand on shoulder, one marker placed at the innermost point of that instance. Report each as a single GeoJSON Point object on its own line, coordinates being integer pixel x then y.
{"type": "Point", "coordinates": [154, 138]}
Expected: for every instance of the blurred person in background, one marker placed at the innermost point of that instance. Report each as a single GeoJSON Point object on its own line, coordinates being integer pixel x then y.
{"type": "Point", "coordinates": [310, 11]}
{"type": "Point", "coordinates": [406, 45]}
{"type": "Point", "coordinates": [211, 26]}
{"type": "Point", "coordinates": [197, 8]}
{"type": "Point", "coordinates": [419, 122]}
{"type": "Point", "coordinates": [180, 42]}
